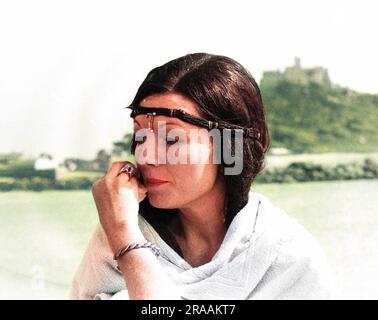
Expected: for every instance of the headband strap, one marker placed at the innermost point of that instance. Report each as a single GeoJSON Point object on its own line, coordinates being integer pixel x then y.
{"type": "Point", "coordinates": [184, 116]}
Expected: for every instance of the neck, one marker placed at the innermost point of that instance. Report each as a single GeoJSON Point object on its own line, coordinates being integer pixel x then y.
{"type": "Point", "coordinates": [202, 221]}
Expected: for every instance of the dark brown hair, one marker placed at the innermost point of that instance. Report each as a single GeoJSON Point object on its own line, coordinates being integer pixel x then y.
{"type": "Point", "coordinates": [223, 90]}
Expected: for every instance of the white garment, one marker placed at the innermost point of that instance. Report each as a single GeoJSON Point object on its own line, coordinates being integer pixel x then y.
{"type": "Point", "coordinates": [265, 255]}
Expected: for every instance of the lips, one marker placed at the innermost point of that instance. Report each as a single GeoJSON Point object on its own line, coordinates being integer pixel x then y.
{"type": "Point", "coordinates": [153, 181]}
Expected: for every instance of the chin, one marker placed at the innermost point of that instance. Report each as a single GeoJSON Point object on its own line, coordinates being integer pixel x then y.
{"type": "Point", "coordinates": [161, 200]}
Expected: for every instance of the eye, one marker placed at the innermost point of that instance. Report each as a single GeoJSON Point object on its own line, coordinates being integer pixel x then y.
{"type": "Point", "coordinates": [172, 140]}
{"type": "Point", "coordinates": [141, 142]}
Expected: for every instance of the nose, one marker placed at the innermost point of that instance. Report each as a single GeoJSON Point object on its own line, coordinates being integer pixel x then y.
{"type": "Point", "coordinates": [148, 154]}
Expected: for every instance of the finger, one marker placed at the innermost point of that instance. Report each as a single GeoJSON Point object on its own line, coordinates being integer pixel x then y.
{"type": "Point", "coordinates": [137, 173]}
{"type": "Point", "coordinates": [136, 176]}
{"type": "Point", "coordinates": [135, 179]}
{"type": "Point", "coordinates": [115, 167]}
{"type": "Point", "coordinates": [141, 197]}
{"type": "Point", "coordinates": [137, 186]}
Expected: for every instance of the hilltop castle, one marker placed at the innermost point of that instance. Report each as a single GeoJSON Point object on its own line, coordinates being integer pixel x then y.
{"type": "Point", "coordinates": [300, 75]}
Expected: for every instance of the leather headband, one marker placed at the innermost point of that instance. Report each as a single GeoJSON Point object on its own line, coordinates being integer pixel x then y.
{"type": "Point", "coordinates": [184, 116]}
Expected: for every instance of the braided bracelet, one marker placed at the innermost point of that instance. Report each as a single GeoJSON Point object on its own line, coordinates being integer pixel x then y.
{"type": "Point", "coordinates": [137, 245]}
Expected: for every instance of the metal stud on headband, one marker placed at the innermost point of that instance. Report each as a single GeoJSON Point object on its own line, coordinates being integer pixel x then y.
{"type": "Point", "coordinates": [184, 116]}
{"type": "Point", "coordinates": [150, 116]}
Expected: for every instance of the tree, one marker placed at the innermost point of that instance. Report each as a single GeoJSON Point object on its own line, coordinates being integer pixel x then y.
{"type": "Point", "coordinates": [123, 146]}
{"type": "Point", "coordinates": [103, 160]}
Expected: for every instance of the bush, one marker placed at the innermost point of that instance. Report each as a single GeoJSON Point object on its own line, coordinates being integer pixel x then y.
{"type": "Point", "coordinates": [40, 184]}
{"type": "Point", "coordinates": [34, 184]}
{"type": "Point", "coordinates": [77, 183]}
{"type": "Point", "coordinates": [25, 169]}
{"type": "Point", "coordinates": [295, 172]}
{"type": "Point", "coordinates": [370, 168]}
{"type": "Point", "coordinates": [6, 184]}
{"type": "Point", "coordinates": [301, 171]}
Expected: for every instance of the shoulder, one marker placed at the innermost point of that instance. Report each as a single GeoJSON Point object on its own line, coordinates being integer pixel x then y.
{"type": "Point", "coordinates": [298, 264]}
{"type": "Point", "coordinates": [274, 222]}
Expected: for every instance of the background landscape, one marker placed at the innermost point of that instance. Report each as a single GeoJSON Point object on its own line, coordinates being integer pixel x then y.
{"type": "Point", "coordinates": [63, 87]}
{"type": "Point", "coordinates": [333, 126]}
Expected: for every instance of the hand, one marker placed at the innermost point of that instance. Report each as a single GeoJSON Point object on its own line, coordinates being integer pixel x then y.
{"type": "Point", "coordinates": [117, 200]}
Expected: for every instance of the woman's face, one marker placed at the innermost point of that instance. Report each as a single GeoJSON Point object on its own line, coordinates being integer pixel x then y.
{"type": "Point", "coordinates": [185, 182]}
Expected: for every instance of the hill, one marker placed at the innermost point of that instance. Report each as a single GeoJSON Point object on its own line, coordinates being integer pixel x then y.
{"type": "Point", "coordinates": [307, 113]}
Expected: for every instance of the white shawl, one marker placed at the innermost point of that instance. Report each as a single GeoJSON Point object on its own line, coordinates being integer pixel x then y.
{"type": "Point", "coordinates": [265, 255]}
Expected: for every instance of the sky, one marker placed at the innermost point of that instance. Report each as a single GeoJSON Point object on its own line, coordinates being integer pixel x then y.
{"type": "Point", "coordinates": [67, 68]}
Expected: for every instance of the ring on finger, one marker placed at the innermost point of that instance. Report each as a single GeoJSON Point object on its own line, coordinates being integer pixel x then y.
{"type": "Point", "coordinates": [129, 169]}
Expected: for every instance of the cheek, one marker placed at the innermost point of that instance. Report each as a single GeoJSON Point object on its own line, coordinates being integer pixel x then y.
{"type": "Point", "coordinates": [189, 183]}
{"type": "Point", "coordinates": [200, 173]}
{"type": "Point", "coordinates": [194, 178]}
{"type": "Point", "coordinates": [200, 152]}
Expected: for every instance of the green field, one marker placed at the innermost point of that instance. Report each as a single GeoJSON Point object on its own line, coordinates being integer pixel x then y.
{"type": "Point", "coordinates": [43, 234]}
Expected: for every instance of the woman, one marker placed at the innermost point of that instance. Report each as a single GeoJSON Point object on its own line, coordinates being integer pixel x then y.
{"type": "Point", "coordinates": [200, 232]}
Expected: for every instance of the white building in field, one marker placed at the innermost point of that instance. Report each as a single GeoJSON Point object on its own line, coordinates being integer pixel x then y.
{"type": "Point", "coordinates": [45, 162]}
{"type": "Point", "coordinates": [279, 151]}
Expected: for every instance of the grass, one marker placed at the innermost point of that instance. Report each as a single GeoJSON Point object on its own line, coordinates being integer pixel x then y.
{"type": "Point", "coordinates": [43, 234]}
{"type": "Point", "coordinates": [42, 238]}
